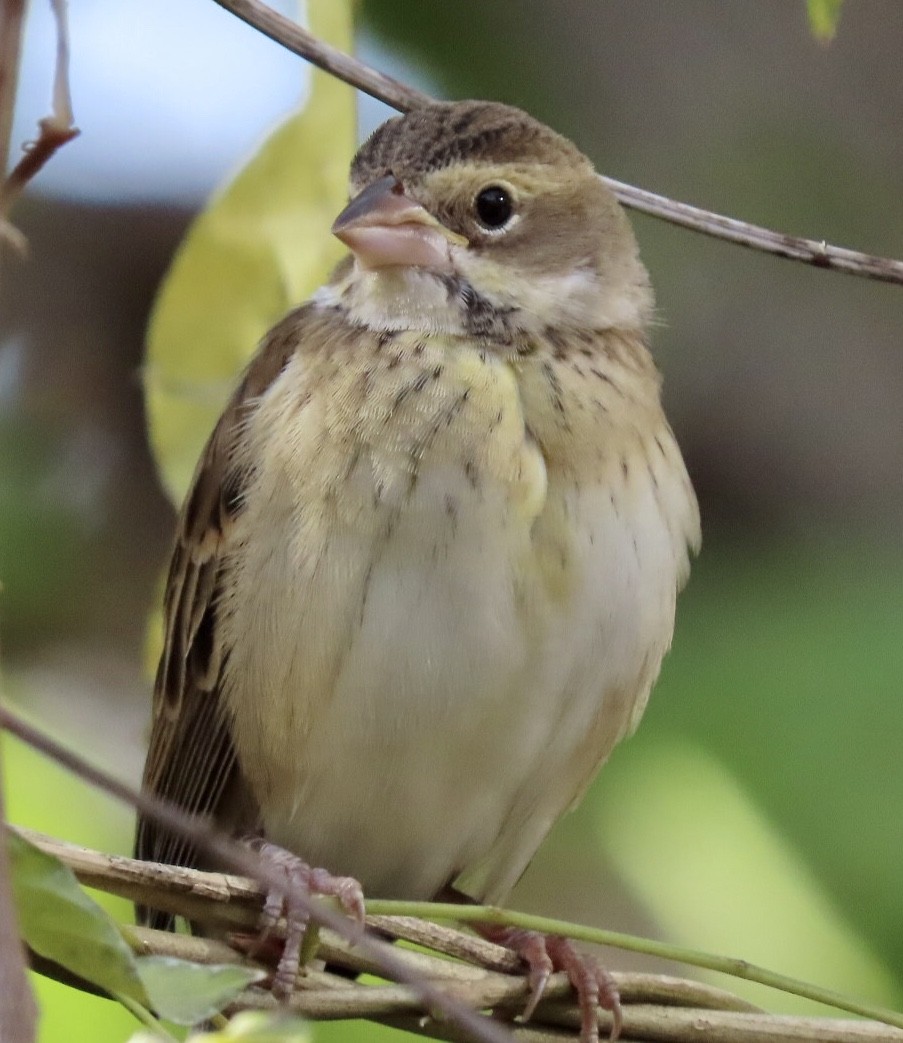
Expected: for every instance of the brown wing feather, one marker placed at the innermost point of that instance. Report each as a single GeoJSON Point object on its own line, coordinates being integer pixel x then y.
{"type": "Point", "coordinates": [191, 760]}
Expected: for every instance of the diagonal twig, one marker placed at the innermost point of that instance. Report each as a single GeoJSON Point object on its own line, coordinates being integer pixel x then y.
{"type": "Point", "coordinates": [54, 130]}
{"type": "Point", "coordinates": [351, 70]}
{"type": "Point", "coordinates": [210, 841]}
{"type": "Point", "coordinates": [400, 96]}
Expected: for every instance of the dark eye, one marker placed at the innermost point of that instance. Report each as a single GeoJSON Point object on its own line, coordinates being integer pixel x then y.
{"type": "Point", "coordinates": [494, 206]}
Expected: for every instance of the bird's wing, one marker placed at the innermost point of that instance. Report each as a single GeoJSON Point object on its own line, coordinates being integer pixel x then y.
{"type": "Point", "coordinates": [191, 759]}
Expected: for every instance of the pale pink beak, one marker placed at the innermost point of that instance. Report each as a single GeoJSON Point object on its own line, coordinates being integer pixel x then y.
{"type": "Point", "coordinates": [384, 228]}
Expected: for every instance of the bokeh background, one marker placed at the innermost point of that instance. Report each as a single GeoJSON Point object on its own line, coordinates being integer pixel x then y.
{"type": "Point", "coordinates": [757, 811]}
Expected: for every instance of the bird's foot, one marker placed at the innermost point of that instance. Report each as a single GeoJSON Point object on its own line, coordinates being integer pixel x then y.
{"type": "Point", "coordinates": [279, 903]}
{"type": "Point", "coordinates": [546, 953]}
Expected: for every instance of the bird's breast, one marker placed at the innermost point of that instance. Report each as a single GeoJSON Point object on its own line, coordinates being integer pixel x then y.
{"type": "Point", "coordinates": [432, 603]}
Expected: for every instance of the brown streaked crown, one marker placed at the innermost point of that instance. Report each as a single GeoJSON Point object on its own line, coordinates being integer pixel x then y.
{"type": "Point", "coordinates": [438, 135]}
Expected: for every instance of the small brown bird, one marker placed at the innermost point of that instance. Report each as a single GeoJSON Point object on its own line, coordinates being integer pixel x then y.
{"type": "Point", "coordinates": [426, 573]}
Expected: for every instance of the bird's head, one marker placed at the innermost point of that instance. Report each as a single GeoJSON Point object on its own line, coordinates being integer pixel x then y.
{"type": "Point", "coordinates": [474, 218]}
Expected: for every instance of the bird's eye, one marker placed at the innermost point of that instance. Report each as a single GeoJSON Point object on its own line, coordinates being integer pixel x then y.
{"type": "Point", "coordinates": [494, 207]}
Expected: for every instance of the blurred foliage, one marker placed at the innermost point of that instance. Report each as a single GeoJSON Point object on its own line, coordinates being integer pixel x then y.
{"type": "Point", "coordinates": [42, 796]}
{"type": "Point", "coordinates": [823, 18]}
{"type": "Point", "coordinates": [255, 1027]}
{"type": "Point", "coordinates": [787, 666]}
{"type": "Point", "coordinates": [261, 247]}
{"type": "Point", "coordinates": [39, 531]}
{"type": "Point", "coordinates": [716, 874]}
{"type": "Point", "coordinates": [462, 53]}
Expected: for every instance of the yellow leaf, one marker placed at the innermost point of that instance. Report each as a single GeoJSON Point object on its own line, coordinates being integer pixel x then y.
{"type": "Point", "coordinates": [259, 248]}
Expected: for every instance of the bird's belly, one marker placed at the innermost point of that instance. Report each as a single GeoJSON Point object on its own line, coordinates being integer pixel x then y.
{"type": "Point", "coordinates": [446, 683]}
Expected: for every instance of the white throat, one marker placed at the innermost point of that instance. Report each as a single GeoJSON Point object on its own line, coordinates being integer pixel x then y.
{"type": "Point", "coordinates": [397, 299]}
{"type": "Point", "coordinates": [421, 300]}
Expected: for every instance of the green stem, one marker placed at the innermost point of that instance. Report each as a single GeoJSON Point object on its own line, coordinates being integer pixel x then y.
{"type": "Point", "coordinates": [143, 1015]}
{"type": "Point", "coordinates": [693, 957]}
{"type": "Point", "coordinates": [310, 944]}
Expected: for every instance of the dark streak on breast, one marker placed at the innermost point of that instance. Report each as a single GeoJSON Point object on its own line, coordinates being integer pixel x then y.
{"type": "Point", "coordinates": [559, 344]}
{"type": "Point", "coordinates": [415, 387]}
{"type": "Point", "coordinates": [555, 385]}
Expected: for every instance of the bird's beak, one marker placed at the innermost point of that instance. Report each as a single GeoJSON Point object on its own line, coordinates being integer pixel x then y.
{"type": "Point", "coordinates": [384, 228]}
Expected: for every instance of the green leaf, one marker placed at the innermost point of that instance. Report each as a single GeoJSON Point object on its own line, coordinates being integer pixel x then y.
{"type": "Point", "coordinates": [260, 248]}
{"type": "Point", "coordinates": [186, 992]}
{"type": "Point", "coordinates": [731, 880]}
{"type": "Point", "coordinates": [254, 1026]}
{"type": "Point", "coordinates": [60, 922]}
{"type": "Point", "coordinates": [823, 18]}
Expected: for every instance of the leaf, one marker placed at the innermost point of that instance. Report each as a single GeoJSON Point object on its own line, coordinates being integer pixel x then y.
{"type": "Point", "coordinates": [260, 247]}
{"type": "Point", "coordinates": [717, 875]}
{"type": "Point", "coordinates": [60, 922]}
{"type": "Point", "coordinates": [823, 18]}
{"type": "Point", "coordinates": [254, 1026]}
{"type": "Point", "coordinates": [186, 992]}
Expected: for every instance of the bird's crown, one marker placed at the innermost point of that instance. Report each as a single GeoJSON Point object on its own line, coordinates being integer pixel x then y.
{"type": "Point", "coordinates": [446, 133]}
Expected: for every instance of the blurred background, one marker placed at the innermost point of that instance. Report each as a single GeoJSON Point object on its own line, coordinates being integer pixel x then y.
{"type": "Point", "coordinates": [757, 811]}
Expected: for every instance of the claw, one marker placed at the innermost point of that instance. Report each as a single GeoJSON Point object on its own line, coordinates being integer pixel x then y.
{"type": "Point", "coordinates": [543, 954]}
{"type": "Point", "coordinates": [594, 985]}
{"type": "Point", "coordinates": [278, 903]}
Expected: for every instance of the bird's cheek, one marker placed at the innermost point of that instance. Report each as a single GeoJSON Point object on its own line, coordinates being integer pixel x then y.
{"type": "Point", "coordinates": [398, 246]}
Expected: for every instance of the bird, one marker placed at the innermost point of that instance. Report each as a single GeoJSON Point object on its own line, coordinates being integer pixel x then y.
{"type": "Point", "coordinates": [426, 572]}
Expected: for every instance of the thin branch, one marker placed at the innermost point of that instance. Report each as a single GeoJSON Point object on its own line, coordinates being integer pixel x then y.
{"type": "Point", "coordinates": [325, 996]}
{"type": "Point", "coordinates": [351, 70]}
{"type": "Point", "coordinates": [402, 97]}
{"type": "Point", "coordinates": [62, 96]}
{"type": "Point", "coordinates": [793, 247]}
{"type": "Point", "coordinates": [233, 901]}
{"type": "Point", "coordinates": [12, 23]}
{"type": "Point", "coordinates": [54, 130]}
{"type": "Point", "coordinates": [656, 1007]}
{"type": "Point", "coordinates": [12, 19]}
{"type": "Point", "coordinates": [211, 842]}
{"type": "Point", "coordinates": [489, 977]}
{"type": "Point", "coordinates": [18, 1010]}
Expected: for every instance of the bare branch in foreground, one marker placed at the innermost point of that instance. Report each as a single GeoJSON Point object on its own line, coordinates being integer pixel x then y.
{"type": "Point", "coordinates": [657, 1007]}
{"type": "Point", "coordinates": [216, 845]}
{"type": "Point", "coordinates": [290, 35]}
